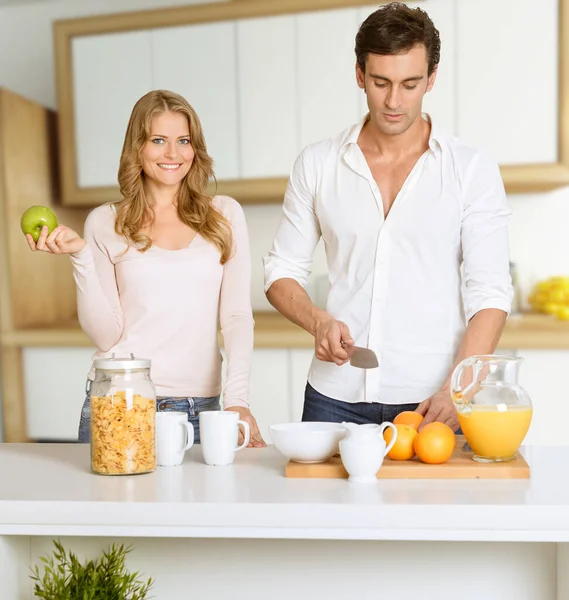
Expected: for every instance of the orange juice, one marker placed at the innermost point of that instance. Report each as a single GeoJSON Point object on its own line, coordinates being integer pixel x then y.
{"type": "Point", "coordinates": [493, 433]}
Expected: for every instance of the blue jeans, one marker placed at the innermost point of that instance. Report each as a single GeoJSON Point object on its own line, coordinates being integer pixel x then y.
{"type": "Point", "coordinates": [192, 406]}
{"type": "Point", "coordinates": [318, 407]}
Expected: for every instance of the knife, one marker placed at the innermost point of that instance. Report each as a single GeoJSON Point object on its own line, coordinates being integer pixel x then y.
{"type": "Point", "coordinates": [362, 358]}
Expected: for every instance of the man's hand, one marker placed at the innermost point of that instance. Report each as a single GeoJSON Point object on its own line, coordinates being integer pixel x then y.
{"type": "Point", "coordinates": [331, 338]}
{"type": "Point", "coordinates": [255, 439]}
{"type": "Point", "coordinates": [439, 407]}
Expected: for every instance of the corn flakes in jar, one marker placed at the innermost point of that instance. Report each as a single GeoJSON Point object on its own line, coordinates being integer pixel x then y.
{"type": "Point", "coordinates": [123, 417]}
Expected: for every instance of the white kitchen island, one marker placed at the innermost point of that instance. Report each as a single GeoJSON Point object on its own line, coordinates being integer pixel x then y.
{"type": "Point", "coordinates": [247, 532]}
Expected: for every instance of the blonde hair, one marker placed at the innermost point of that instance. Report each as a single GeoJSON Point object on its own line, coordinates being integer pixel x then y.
{"type": "Point", "coordinates": [195, 209]}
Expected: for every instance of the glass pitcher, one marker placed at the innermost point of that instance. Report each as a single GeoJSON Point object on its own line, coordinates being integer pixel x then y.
{"type": "Point", "coordinates": [494, 411]}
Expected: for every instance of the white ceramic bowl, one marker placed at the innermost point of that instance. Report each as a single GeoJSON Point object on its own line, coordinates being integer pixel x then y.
{"type": "Point", "coordinates": [309, 442]}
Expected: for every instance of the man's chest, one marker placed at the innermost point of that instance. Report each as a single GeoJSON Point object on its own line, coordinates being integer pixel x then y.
{"type": "Point", "coordinates": [391, 177]}
{"type": "Point", "coordinates": [389, 181]}
{"type": "Point", "coordinates": [350, 207]}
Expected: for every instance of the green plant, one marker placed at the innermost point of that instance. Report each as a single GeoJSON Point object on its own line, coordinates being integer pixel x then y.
{"type": "Point", "coordinates": [105, 578]}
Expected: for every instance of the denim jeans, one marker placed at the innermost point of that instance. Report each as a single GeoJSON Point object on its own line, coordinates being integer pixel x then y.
{"type": "Point", "coordinates": [318, 407]}
{"type": "Point", "coordinates": [191, 406]}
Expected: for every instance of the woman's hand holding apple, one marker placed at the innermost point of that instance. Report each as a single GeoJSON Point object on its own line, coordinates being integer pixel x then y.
{"type": "Point", "coordinates": [61, 240]}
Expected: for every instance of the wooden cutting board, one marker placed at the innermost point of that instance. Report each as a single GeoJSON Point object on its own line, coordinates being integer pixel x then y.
{"type": "Point", "coordinates": [459, 466]}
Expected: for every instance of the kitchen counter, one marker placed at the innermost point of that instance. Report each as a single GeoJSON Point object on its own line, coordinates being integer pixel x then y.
{"type": "Point", "coordinates": [272, 330]}
{"type": "Point", "coordinates": [48, 489]}
{"type": "Point", "coordinates": [247, 532]}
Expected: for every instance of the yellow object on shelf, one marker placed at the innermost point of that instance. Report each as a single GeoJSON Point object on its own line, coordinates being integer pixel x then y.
{"type": "Point", "coordinates": [551, 297]}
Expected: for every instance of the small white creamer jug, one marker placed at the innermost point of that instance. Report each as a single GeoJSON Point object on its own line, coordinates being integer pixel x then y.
{"type": "Point", "coordinates": [362, 450]}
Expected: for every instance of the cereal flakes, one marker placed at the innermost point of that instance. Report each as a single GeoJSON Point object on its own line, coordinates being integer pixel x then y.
{"type": "Point", "coordinates": [123, 434]}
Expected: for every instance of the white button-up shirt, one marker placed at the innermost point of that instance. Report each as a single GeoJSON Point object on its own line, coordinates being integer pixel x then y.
{"type": "Point", "coordinates": [396, 282]}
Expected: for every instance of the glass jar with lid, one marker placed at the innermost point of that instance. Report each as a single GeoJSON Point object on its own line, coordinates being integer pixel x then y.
{"type": "Point", "coordinates": [123, 417]}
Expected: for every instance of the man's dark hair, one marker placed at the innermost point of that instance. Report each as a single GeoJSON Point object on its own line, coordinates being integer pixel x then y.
{"type": "Point", "coordinates": [395, 28]}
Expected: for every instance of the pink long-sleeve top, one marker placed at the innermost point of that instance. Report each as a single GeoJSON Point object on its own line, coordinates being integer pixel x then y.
{"type": "Point", "coordinates": [166, 305]}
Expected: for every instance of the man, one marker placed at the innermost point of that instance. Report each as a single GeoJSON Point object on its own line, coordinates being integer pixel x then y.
{"type": "Point", "coordinates": [401, 207]}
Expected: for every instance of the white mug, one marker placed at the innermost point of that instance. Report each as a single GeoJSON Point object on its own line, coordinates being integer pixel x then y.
{"type": "Point", "coordinates": [174, 435]}
{"type": "Point", "coordinates": [219, 433]}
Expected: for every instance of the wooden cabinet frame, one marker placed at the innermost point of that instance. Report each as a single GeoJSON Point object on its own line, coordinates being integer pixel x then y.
{"type": "Point", "coordinates": [544, 177]}
{"type": "Point", "coordinates": [522, 178]}
{"type": "Point", "coordinates": [246, 191]}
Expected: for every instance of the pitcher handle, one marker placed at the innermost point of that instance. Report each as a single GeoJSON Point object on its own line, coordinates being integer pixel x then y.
{"type": "Point", "coordinates": [456, 391]}
{"type": "Point", "coordinates": [382, 428]}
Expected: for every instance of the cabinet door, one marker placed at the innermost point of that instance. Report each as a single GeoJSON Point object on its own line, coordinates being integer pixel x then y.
{"type": "Point", "coordinates": [267, 96]}
{"type": "Point", "coordinates": [110, 73]}
{"type": "Point", "coordinates": [300, 361]}
{"type": "Point", "coordinates": [541, 376]}
{"type": "Point", "coordinates": [440, 103]}
{"type": "Point", "coordinates": [328, 94]}
{"type": "Point", "coordinates": [507, 78]}
{"type": "Point", "coordinates": [54, 384]}
{"type": "Point", "coordinates": [270, 388]}
{"type": "Point", "coordinates": [199, 62]}
{"type": "Point", "coordinates": [262, 223]}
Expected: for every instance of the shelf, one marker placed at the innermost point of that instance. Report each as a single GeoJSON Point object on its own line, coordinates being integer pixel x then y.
{"type": "Point", "coordinates": [535, 332]}
{"type": "Point", "coordinates": [272, 330]}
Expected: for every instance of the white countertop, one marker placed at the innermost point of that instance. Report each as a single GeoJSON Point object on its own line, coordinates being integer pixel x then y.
{"type": "Point", "coordinates": [48, 489]}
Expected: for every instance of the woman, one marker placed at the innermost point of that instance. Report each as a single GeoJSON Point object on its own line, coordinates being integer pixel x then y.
{"type": "Point", "coordinates": [156, 268]}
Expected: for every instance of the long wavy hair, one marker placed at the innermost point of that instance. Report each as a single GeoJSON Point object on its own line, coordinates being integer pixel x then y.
{"type": "Point", "coordinates": [195, 209]}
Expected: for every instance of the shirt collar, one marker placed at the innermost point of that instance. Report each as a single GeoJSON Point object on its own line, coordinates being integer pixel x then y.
{"type": "Point", "coordinates": [435, 138]}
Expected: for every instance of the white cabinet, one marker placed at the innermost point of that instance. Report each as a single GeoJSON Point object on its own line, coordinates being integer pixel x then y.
{"type": "Point", "coordinates": [300, 361]}
{"type": "Point", "coordinates": [266, 87]}
{"type": "Point", "coordinates": [262, 222]}
{"type": "Point", "coordinates": [110, 73]}
{"type": "Point", "coordinates": [199, 63]}
{"type": "Point", "coordinates": [54, 383]}
{"type": "Point", "coordinates": [507, 90]}
{"type": "Point", "coordinates": [328, 95]}
{"type": "Point", "coordinates": [542, 374]}
{"type": "Point", "coordinates": [268, 112]}
{"type": "Point", "coordinates": [54, 380]}
{"type": "Point", "coordinates": [270, 388]}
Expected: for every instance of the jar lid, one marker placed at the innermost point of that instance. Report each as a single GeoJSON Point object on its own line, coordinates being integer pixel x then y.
{"type": "Point", "coordinates": [121, 364]}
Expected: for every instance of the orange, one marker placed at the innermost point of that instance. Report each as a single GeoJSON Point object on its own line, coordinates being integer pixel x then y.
{"type": "Point", "coordinates": [436, 424]}
{"type": "Point", "coordinates": [409, 417]}
{"type": "Point", "coordinates": [403, 447]}
{"type": "Point", "coordinates": [435, 443]}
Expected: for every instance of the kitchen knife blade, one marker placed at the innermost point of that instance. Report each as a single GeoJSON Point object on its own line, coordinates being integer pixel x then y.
{"type": "Point", "coordinates": [362, 358]}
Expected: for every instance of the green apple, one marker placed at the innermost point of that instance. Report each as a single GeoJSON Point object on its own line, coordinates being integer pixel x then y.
{"type": "Point", "coordinates": [35, 218]}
